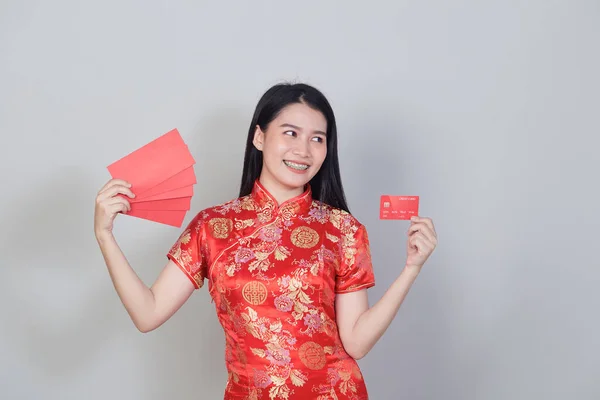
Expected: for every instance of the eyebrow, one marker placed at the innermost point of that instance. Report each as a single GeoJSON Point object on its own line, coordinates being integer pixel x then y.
{"type": "Point", "coordinates": [298, 128]}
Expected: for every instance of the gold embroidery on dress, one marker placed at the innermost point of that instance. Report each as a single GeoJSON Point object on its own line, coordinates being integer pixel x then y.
{"type": "Point", "coordinates": [247, 203]}
{"type": "Point", "coordinates": [289, 211]}
{"type": "Point", "coordinates": [349, 248]}
{"type": "Point", "coordinates": [312, 355]}
{"type": "Point", "coordinates": [266, 213]}
{"type": "Point", "coordinates": [331, 237]}
{"type": "Point", "coordinates": [243, 223]}
{"type": "Point", "coordinates": [255, 292]}
{"type": "Point", "coordinates": [278, 344]}
{"type": "Point", "coordinates": [304, 237]}
{"type": "Point", "coordinates": [220, 227]}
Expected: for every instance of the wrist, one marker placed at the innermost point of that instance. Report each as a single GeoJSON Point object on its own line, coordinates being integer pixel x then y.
{"type": "Point", "coordinates": [103, 235]}
{"type": "Point", "coordinates": [412, 269]}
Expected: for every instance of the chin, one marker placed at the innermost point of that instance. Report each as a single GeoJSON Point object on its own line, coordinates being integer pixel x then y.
{"type": "Point", "coordinates": [294, 182]}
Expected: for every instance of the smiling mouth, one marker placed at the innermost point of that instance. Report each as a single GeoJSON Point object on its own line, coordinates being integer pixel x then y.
{"type": "Point", "coordinates": [296, 166]}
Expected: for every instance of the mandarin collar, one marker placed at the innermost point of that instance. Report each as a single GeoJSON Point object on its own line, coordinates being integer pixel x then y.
{"type": "Point", "coordinates": [264, 199]}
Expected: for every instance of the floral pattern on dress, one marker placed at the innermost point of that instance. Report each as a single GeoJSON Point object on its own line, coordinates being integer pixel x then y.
{"type": "Point", "coordinates": [273, 273]}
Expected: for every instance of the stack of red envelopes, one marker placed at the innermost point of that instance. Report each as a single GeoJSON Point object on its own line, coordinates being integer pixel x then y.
{"type": "Point", "coordinates": [162, 178]}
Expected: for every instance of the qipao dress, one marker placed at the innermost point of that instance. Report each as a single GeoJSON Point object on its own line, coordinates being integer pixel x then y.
{"type": "Point", "coordinates": [273, 272]}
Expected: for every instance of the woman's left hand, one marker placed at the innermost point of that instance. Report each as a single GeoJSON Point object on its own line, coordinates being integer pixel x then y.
{"type": "Point", "coordinates": [422, 240]}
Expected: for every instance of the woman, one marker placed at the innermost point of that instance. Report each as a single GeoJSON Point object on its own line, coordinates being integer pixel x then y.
{"type": "Point", "coordinates": [288, 266]}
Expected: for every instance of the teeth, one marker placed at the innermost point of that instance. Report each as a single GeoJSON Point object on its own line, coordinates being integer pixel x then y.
{"type": "Point", "coordinates": [296, 166]}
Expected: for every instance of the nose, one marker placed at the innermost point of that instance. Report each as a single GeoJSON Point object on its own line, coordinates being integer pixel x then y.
{"type": "Point", "coordinates": [301, 148]}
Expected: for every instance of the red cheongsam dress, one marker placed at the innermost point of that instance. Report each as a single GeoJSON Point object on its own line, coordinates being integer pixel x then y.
{"type": "Point", "coordinates": [273, 272]}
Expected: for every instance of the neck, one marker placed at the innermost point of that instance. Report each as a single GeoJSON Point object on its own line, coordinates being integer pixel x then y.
{"type": "Point", "coordinates": [280, 192]}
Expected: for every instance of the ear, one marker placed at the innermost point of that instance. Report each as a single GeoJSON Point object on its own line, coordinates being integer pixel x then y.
{"type": "Point", "coordinates": [259, 137]}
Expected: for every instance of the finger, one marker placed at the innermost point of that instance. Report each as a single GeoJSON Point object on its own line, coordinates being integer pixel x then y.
{"type": "Point", "coordinates": [427, 221]}
{"type": "Point", "coordinates": [118, 208]}
{"type": "Point", "coordinates": [421, 227]}
{"type": "Point", "coordinates": [114, 190]}
{"type": "Point", "coordinates": [419, 235]}
{"type": "Point", "coordinates": [114, 182]}
{"type": "Point", "coordinates": [119, 200]}
{"type": "Point", "coordinates": [411, 243]}
{"type": "Point", "coordinates": [420, 243]}
{"type": "Point", "coordinates": [416, 235]}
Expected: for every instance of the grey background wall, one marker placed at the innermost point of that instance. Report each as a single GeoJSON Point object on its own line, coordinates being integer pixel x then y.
{"type": "Point", "coordinates": [487, 110]}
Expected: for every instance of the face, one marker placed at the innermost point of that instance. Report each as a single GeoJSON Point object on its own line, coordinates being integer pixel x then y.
{"type": "Point", "coordinates": [294, 148]}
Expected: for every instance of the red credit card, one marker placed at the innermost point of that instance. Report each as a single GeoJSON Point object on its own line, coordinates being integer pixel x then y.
{"type": "Point", "coordinates": [398, 207]}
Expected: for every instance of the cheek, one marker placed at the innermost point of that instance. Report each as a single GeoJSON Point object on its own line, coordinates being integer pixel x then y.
{"type": "Point", "coordinates": [274, 151]}
{"type": "Point", "coordinates": [320, 153]}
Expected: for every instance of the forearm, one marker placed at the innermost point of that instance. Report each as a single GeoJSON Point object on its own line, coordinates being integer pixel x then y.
{"type": "Point", "coordinates": [137, 298]}
{"type": "Point", "coordinates": [373, 323]}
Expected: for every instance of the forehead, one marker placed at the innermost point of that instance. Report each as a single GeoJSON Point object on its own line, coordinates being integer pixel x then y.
{"type": "Point", "coordinates": [302, 116]}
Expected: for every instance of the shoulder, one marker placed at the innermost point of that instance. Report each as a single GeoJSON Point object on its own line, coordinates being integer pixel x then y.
{"type": "Point", "coordinates": [340, 220]}
{"type": "Point", "coordinates": [223, 213]}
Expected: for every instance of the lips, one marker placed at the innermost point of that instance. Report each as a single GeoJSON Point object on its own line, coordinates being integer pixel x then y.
{"type": "Point", "coordinates": [298, 166]}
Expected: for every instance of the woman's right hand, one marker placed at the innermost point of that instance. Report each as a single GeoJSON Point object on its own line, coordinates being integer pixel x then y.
{"type": "Point", "coordinates": [109, 203]}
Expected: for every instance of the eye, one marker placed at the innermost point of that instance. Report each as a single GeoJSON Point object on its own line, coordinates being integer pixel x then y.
{"type": "Point", "coordinates": [319, 139]}
{"type": "Point", "coordinates": [290, 133]}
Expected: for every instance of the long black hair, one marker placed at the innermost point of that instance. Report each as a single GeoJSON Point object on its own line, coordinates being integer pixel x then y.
{"type": "Point", "coordinates": [326, 185]}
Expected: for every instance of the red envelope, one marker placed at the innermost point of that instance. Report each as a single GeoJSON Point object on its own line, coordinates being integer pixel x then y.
{"type": "Point", "coordinates": [180, 180]}
{"type": "Point", "coordinates": [162, 177]}
{"type": "Point", "coordinates": [398, 207]}
{"type": "Point", "coordinates": [186, 191]}
{"type": "Point", "coordinates": [182, 203]}
{"type": "Point", "coordinates": [167, 217]}
{"type": "Point", "coordinates": [154, 162]}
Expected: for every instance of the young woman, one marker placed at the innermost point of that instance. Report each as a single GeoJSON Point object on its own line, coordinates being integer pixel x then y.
{"type": "Point", "coordinates": [288, 266]}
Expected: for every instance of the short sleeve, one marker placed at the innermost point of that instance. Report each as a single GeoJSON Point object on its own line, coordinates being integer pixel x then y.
{"type": "Point", "coordinates": [187, 252]}
{"type": "Point", "coordinates": [355, 269]}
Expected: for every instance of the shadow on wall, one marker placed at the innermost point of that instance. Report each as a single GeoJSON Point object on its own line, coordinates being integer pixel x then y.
{"type": "Point", "coordinates": [67, 315]}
